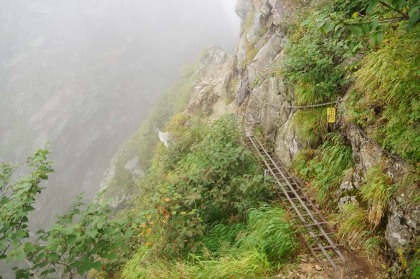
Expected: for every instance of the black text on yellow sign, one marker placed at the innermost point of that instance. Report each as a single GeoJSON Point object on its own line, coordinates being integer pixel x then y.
{"type": "Point", "coordinates": [331, 115]}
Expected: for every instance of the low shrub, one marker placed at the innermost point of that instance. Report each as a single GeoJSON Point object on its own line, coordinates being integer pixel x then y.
{"type": "Point", "coordinates": [255, 250]}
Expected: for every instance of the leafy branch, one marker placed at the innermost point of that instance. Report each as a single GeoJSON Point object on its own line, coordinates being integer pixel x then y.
{"type": "Point", "coordinates": [69, 247]}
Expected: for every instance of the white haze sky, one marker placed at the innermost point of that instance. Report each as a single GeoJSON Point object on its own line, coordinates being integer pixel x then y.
{"type": "Point", "coordinates": [229, 7]}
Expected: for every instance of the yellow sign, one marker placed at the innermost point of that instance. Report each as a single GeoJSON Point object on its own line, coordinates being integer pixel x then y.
{"type": "Point", "coordinates": [331, 113]}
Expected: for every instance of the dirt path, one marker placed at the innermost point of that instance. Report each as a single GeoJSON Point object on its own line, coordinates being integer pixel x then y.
{"type": "Point", "coordinates": [309, 268]}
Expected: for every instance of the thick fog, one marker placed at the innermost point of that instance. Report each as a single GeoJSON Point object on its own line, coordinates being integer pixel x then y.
{"type": "Point", "coordinates": [82, 75]}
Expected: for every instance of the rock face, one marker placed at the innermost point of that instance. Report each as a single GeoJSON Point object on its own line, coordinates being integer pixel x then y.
{"type": "Point", "coordinates": [403, 228]}
{"type": "Point", "coordinates": [165, 138]}
{"type": "Point", "coordinates": [269, 99]}
{"type": "Point", "coordinates": [403, 220]}
{"type": "Point", "coordinates": [211, 92]}
{"type": "Point", "coordinates": [242, 8]}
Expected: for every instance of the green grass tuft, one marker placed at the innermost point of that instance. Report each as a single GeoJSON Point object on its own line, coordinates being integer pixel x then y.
{"type": "Point", "coordinates": [250, 264]}
{"type": "Point", "coordinates": [325, 167]}
{"type": "Point", "coordinates": [143, 266]}
{"type": "Point", "coordinates": [376, 191]}
{"type": "Point", "coordinates": [352, 223]}
{"type": "Point", "coordinates": [374, 245]}
{"type": "Point", "coordinates": [270, 232]}
{"type": "Point", "coordinates": [220, 237]}
{"type": "Point", "coordinates": [311, 126]}
{"type": "Point", "coordinates": [336, 157]}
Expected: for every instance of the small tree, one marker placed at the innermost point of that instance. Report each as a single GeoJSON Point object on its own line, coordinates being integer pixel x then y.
{"type": "Point", "coordinates": [366, 18]}
{"type": "Point", "coordinates": [95, 241]}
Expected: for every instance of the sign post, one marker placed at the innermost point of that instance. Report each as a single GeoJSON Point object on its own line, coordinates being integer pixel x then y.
{"type": "Point", "coordinates": [331, 115]}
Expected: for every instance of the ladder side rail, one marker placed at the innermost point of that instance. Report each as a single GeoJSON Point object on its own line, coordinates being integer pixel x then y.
{"type": "Point", "coordinates": [278, 182]}
{"type": "Point", "coordinates": [301, 202]}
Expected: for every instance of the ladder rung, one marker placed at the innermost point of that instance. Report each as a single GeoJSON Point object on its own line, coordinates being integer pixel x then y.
{"type": "Point", "coordinates": [312, 213]}
{"type": "Point", "coordinates": [324, 234]}
{"type": "Point", "coordinates": [288, 192]}
{"type": "Point", "coordinates": [328, 247]}
{"type": "Point", "coordinates": [314, 224]}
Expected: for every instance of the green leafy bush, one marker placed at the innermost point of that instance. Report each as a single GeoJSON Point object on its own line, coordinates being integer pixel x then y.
{"type": "Point", "coordinates": [320, 56]}
{"type": "Point", "coordinates": [313, 65]}
{"type": "Point", "coordinates": [255, 250]}
{"type": "Point", "coordinates": [84, 238]}
{"type": "Point", "coordinates": [17, 199]}
{"type": "Point", "coordinates": [195, 199]}
{"type": "Point", "coordinates": [207, 176]}
{"type": "Point", "coordinates": [366, 18]}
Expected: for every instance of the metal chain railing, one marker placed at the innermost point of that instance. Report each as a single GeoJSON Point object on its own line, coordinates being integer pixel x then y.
{"type": "Point", "coordinates": [290, 106]}
{"type": "Point", "coordinates": [339, 100]}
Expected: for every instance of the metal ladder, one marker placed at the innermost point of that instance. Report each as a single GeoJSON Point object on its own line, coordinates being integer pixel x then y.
{"type": "Point", "coordinates": [315, 228]}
